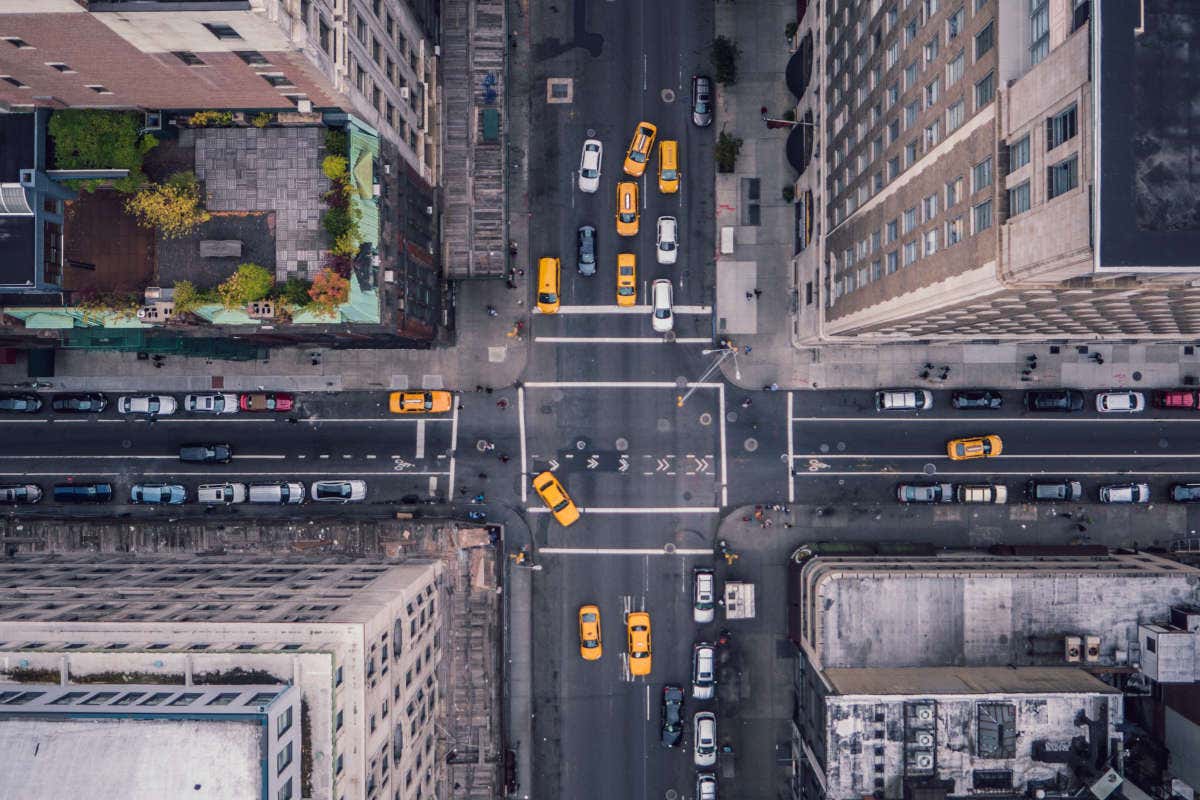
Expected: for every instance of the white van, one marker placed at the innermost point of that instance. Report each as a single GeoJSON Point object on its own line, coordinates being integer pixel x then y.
{"type": "Point", "coordinates": [277, 493]}
{"type": "Point", "coordinates": [903, 400]}
{"type": "Point", "coordinates": [221, 493]}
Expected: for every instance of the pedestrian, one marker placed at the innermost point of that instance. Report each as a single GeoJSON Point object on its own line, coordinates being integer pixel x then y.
{"type": "Point", "coordinates": [749, 296]}
{"type": "Point", "coordinates": [478, 388]}
{"type": "Point", "coordinates": [747, 349]}
{"type": "Point", "coordinates": [462, 490]}
{"type": "Point", "coordinates": [521, 272]}
{"type": "Point", "coordinates": [502, 403]}
{"type": "Point", "coordinates": [747, 402]}
{"type": "Point", "coordinates": [483, 476]}
{"type": "Point", "coordinates": [488, 390]}
{"type": "Point", "coordinates": [504, 459]}
{"type": "Point", "coordinates": [757, 292]}
{"type": "Point", "coordinates": [491, 311]}
{"type": "Point", "coordinates": [774, 387]}
{"type": "Point", "coordinates": [925, 375]}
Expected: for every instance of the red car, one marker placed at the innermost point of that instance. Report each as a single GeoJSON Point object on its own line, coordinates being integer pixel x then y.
{"type": "Point", "coordinates": [1175, 398]}
{"type": "Point", "coordinates": [266, 401]}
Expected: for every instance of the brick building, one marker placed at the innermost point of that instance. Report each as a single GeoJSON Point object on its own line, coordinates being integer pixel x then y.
{"type": "Point", "coordinates": [954, 192]}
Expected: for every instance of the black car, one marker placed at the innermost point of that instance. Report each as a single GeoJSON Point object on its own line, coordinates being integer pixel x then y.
{"type": "Point", "coordinates": [20, 403]}
{"type": "Point", "coordinates": [976, 398]}
{"type": "Point", "coordinates": [79, 403]}
{"type": "Point", "coordinates": [702, 101]}
{"type": "Point", "coordinates": [587, 250]}
{"type": "Point", "coordinates": [1186, 493]}
{"type": "Point", "coordinates": [1065, 490]}
{"type": "Point", "coordinates": [206, 453]}
{"type": "Point", "coordinates": [1061, 400]}
{"type": "Point", "coordinates": [672, 715]}
{"type": "Point", "coordinates": [83, 492]}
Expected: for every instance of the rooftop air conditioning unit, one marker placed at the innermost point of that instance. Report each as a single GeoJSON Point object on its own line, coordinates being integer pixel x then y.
{"type": "Point", "coordinates": [924, 739]}
{"type": "Point", "coordinates": [429, 211]}
{"type": "Point", "coordinates": [922, 760]}
{"type": "Point", "coordinates": [1073, 649]}
{"type": "Point", "coordinates": [304, 106]}
{"type": "Point", "coordinates": [1091, 651]}
{"type": "Point", "coordinates": [437, 49]}
{"type": "Point", "coordinates": [925, 713]}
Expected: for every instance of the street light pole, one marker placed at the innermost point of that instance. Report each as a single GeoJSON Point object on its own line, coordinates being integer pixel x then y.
{"type": "Point", "coordinates": [725, 352]}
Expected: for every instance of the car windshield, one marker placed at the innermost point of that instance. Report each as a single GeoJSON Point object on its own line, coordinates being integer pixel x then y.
{"type": "Point", "coordinates": [624, 291]}
{"type": "Point", "coordinates": [662, 313]}
{"type": "Point", "coordinates": [547, 297]}
{"type": "Point", "coordinates": [589, 173]}
{"type": "Point", "coordinates": [628, 216]}
{"type": "Point", "coordinates": [668, 174]}
{"type": "Point", "coordinates": [701, 107]}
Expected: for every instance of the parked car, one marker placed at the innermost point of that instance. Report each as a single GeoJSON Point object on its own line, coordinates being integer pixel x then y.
{"type": "Point", "coordinates": [666, 241]}
{"type": "Point", "coordinates": [702, 101]}
{"type": "Point", "coordinates": [226, 493]}
{"type": "Point", "coordinates": [925, 493]}
{"type": "Point", "coordinates": [589, 166]}
{"type": "Point", "coordinates": [972, 447]}
{"type": "Point", "coordinates": [266, 401]}
{"type": "Point", "coordinates": [1061, 400]}
{"type": "Point", "coordinates": [219, 403]}
{"type": "Point", "coordinates": [1065, 490]}
{"type": "Point", "coordinates": [83, 492]}
{"type": "Point", "coordinates": [20, 493]}
{"type": "Point", "coordinates": [662, 319]}
{"type": "Point", "coordinates": [1125, 493]}
{"type": "Point", "coordinates": [206, 453]}
{"type": "Point", "coordinates": [976, 398]}
{"type": "Point", "coordinates": [1120, 402]}
{"type": "Point", "coordinates": [20, 403]}
{"type": "Point", "coordinates": [284, 492]}
{"type": "Point", "coordinates": [152, 405]}
{"type": "Point", "coordinates": [985, 493]}
{"type": "Point", "coordinates": [903, 400]}
{"type": "Point", "coordinates": [1176, 398]}
{"type": "Point", "coordinates": [672, 715]}
{"type": "Point", "coordinates": [87, 403]}
{"type": "Point", "coordinates": [1185, 492]}
{"type": "Point", "coordinates": [637, 630]}
{"type": "Point", "coordinates": [157, 494]}
{"type": "Point", "coordinates": [339, 491]}
{"type": "Point", "coordinates": [590, 645]}
{"type": "Point", "coordinates": [706, 786]}
{"type": "Point", "coordinates": [704, 724]}
{"type": "Point", "coordinates": [704, 674]}
{"type": "Point", "coordinates": [585, 239]}
{"type": "Point", "coordinates": [704, 591]}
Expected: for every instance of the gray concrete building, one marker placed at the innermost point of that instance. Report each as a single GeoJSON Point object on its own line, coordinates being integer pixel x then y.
{"type": "Point", "coordinates": [358, 645]}
{"type": "Point", "coordinates": [976, 173]}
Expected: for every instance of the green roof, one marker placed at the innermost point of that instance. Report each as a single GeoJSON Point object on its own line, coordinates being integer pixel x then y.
{"type": "Point", "coordinates": [364, 149]}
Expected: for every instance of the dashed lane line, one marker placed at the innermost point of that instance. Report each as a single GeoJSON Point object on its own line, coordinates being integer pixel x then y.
{"type": "Point", "coordinates": [622, 551]}
{"type": "Point", "coordinates": [231, 474]}
{"type": "Point", "coordinates": [630, 510]}
{"type": "Point", "coordinates": [1001, 457]}
{"type": "Point", "coordinates": [618, 385]}
{"type": "Point", "coordinates": [984, 419]}
{"type": "Point", "coordinates": [984, 475]}
{"type": "Point", "coordinates": [619, 340]}
{"type": "Point", "coordinates": [629, 310]}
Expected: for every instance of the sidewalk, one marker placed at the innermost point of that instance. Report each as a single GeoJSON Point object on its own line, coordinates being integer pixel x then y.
{"type": "Point", "coordinates": [763, 253]}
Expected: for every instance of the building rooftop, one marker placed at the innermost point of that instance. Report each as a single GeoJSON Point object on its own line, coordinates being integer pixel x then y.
{"type": "Point", "coordinates": [965, 680]}
{"type": "Point", "coordinates": [17, 140]}
{"type": "Point", "coordinates": [1148, 132]}
{"type": "Point", "coordinates": [130, 759]}
{"type": "Point", "coordinates": [17, 247]}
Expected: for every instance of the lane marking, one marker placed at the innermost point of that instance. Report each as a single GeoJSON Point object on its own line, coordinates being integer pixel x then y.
{"type": "Point", "coordinates": [524, 457]}
{"type": "Point", "coordinates": [453, 451]}
{"type": "Point", "coordinates": [231, 474]}
{"type": "Point", "coordinates": [620, 340]}
{"type": "Point", "coordinates": [983, 419]}
{"type": "Point", "coordinates": [617, 385]}
{"type": "Point", "coordinates": [420, 438]}
{"type": "Point", "coordinates": [628, 510]}
{"type": "Point", "coordinates": [1002, 456]}
{"type": "Point", "coordinates": [627, 310]}
{"type": "Point", "coordinates": [233, 418]}
{"type": "Point", "coordinates": [433, 486]}
{"type": "Point", "coordinates": [983, 475]}
{"type": "Point", "coordinates": [790, 452]}
{"type": "Point", "coordinates": [129, 457]}
{"type": "Point", "coordinates": [621, 551]}
{"type": "Point", "coordinates": [724, 457]}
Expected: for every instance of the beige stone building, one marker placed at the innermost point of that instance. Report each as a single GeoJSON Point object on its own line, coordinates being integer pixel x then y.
{"type": "Point", "coordinates": [361, 643]}
{"type": "Point", "coordinates": [954, 190]}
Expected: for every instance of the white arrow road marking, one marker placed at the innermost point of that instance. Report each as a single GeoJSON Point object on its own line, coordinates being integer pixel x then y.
{"type": "Point", "coordinates": [623, 464]}
{"type": "Point", "coordinates": [593, 462]}
{"type": "Point", "coordinates": [553, 464]}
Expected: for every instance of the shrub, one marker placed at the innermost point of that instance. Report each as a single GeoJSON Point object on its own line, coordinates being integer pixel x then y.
{"type": "Point", "coordinates": [790, 115]}
{"type": "Point", "coordinates": [336, 168]}
{"type": "Point", "coordinates": [336, 142]}
{"type": "Point", "coordinates": [93, 139]}
{"type": "Point", "coordinates": [210, 119]}
{"type": "Point", "coordinates": [338, 196]}
{"type": "Point", "coordinates": [789, 30]}
{"type": "Point", "coordinates": [339, 263]}
{"type": "Point", "coordinates": [724, 55]}
{"type": "Point", "coordinates": [261, 120]}
{"type": "Point", "coordinates": [294, 292]}
{"type": "Point", "coordinates": [328, 291]}
{"type": "Point", "coordinates": [337, 221]}
{"type": "Point", "coordinates": [251, 282]}
{"type": "Point", "coordinates": [727, 150]}
{"type": "Point", "coordinates": [96, 304]}
{"type": "Point", "coordinates": [789, 193]}
{"type": "Point", "coordinates": [173, 208]}
{"type": "Point", "coordinates": [346, 244]}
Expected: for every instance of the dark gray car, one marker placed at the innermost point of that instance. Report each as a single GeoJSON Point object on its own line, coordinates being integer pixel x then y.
{"type": "Point", "coordinates": [206, 453]}
{"type": "Point", "coordinates": [586, 238]}
{"type": "Point", "coordinates": [702, 100]}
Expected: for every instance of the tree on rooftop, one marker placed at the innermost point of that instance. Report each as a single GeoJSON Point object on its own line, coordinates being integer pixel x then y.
{"type": "Point", "coordinates": [94, 139]}
{"type": "Point", "coordinates": [251, 282]}
{"type": "Point", "coordinates": [329, 290]}
{"type": "Point", "coordinates": [173, 208]}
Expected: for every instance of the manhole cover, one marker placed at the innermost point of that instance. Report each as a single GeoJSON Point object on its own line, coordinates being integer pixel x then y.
{"type": "Point", "coordinates": [1163, 443]}
{"type": "Point", "coordinates": [622, 444]}
{"type": "Point", "coordinates": [591, 133]}
{"type": "Point", "coordinates": [731, 416]}
{"type": "Point", "coordinates": [668, 548]}
{"type": "Point", "coordinates": [663, 425]}
{"type": "Point", "coordinates": [930, 469]}
{"type": "Point", "coordinates": [668, 95]}
{"type": "Point", "coordinates": [824, 448]}
{"type": "Point", "coordinates": [750, 445]}
{"type": "Point", "coordinates": [126, 443]}
{"type": "Point", "coordinates": [581, 444]}
{"type": "Point", "coordinates": [841, 446]}
{"type": "Point", "coordinates": [681, 383]}
{"type": "Point", "coordinates": [672, 794]}
{"type": "Point", "coordinates": [1137, 376]}
{"type": "Point", "coordinates": [706, 419]}
{"type": "Point", "coordinates": [687, 495]}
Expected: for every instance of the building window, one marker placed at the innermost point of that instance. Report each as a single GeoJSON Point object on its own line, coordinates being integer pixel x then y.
{"type": "Point", "coordinates": [910, 253]}
{"type": "Point", "coordinates": [285, 791]}
{"type": "Point", "coordinates": [910, 32]}
{"type": "Point", "coordinates": [933, 134]}
{"type": "Point", "coordinates": [60, 67]}
{"type": "Point", "coordinates": [188, 57]}
{"type": "Point", "coordinates": [910, 113]}
{"type": "Point", "coordinates": [401, 43]}
{"type": "Point", "coordinates": [954, 116]}
{"type": "Point", "coordinates": [910, 153]}
{"type": "Point", "coordinates": [253, 57]}
{"type": "Point", "coordinates": [954, 231]}
{"type": "Point", "coordinates": [985, 90]}
{"type": "Point", "coordinates": [893, 261]}
{"type": "Point", "coordinates": [893, 94]}
{"type": "Point", "coordinates": [1061, 127]}
{"type": "Point", "coordinates": [19, 43]}
{"type": "Point", "coordinates": [981, 175]}
{"type": "Point", "coordinates": [276, 79]}
{"type": "Point", "coordinates": [338, 675]}
{"type": "Point", "coordinates": [283, 723]}
{"type": "Point", "coordinates": [954, 23]}
{"type": "Point", "coordinates": [1018, 199]}
{"type": "Point", "coordinates": [893, 131]}
{"type": "Point", "coordinates": [985, 39]}
{"type": "Point", "coordinates": [954, 69]}
{"type": "Point", "coordinates": [910, 219]}
{"type": "Point", "coordinates": [283, 758]}
{"type": "Point", "coordinates": [1039, 30]}
{"type": "Point", "coordinates": [376, 7]}
{"type": "Point", "coordinates": [954, 191]}
{"type": "Point", "coordinates": [979, 4]}
{"type": "Point", "coordinates": [360, 31]}
{"type": "Point", "coordinates": [931, 50]}
{"type": "Point", "coordinates": [933, 91]}
{"type": "Point", "coordinates": [339, 764]}
{"type": "Point", "coordinates": [376, 98]}
{"type": "Point", "coordinates": [389, 25]}
{"type": "Point", "coordinates": [910, 75]}
{"type": "Point", "coordinates": [893, 54]}
{"type": "Point", "coordinates": [360, 79]}
{"type": "Point", "coordinates": [376, 52]}
{"type": "Point", "coordinates": [892, 234]}
{"type": "Point", "coordinates": [931, 8]}
{"type": "Point", "coordinates": [338, 720]}
{"type": "Point", "coordinates": [929, 206]}
{"type": "Point", "coordinates": [982, 216]}
{"type": "Point", "coordinates": [98, 89]}
{"type": "Point", "coordinates": [878, 182]}
{"type": "Point", "coordinates": [221, 30]}
{"type": "Point", "coordinates": [1062, 177]}
{"type": "Point", "coordinates": [1018, 154]}
{"type": "Point", "coordinates": [931, 241]}
{"type": "Point", "coordinates": [893, 168]}
{"type": "Point", "coordinates": [13, 81]}
{"type": "Point", "coordinates": [324, 35]}
{"type": "Point", "coordinates": [893, 14]}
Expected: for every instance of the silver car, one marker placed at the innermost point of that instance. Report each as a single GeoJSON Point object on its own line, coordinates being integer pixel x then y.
{"type": "Point", "coordinates": [219, 403]}
{"type": "Point", "coordinates": [704, 675]}
{"type": "Point", "coordinates": [152, 405]}
{"type": "Point", "coordinates": [1125, 493]}
{"type": "Point", "coordinates": [663, 320]}
{"type": "Point", "coordinates": [703, 595]}
{"type": "Point", "coordinates": [338, 491]}
{"type": "Point", "coordinates": [667, 241]}
{"type": "Point", "coordinates": [702, 101]}
{"type": "Point", "coordinates": [589, 166]}
{"type": "Point", "coordinates": [706, 786]}
{"type": "Point", "coordinates": [21, 493]}
{"type": "Point", "coordinates": [158, 494]}
{"type": "Point", "coordinates": [704, 723]}
{"type": "Point", "coordinates": [221, 493]}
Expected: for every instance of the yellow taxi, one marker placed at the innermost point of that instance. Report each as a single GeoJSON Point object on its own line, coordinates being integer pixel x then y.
{"type": "Point", "coordinates": [556, 498]}
{"type": "Point", "coordinates": [626, 279]}
{"type": "Point", "coordinates": [590, 647]}
{"type": "Point", "coordinates": [639, 150]}
{"type": "Point", "coordinates": [668, 166]}
{"type": "Point", "coordinates": [638, 625]}
{"type": "Point", "coordinates": [549, 276]}
{"type": "Point", "coordinates": [627, 209]}
{"type": "Point", "coordinates": [974, 447]}
{"type": "Point", "coordinates": [431, 402]}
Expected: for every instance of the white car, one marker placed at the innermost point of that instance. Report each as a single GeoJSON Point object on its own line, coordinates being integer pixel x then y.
{"type": "Point", "coordinates": [154, 405]}
{"type": "Point", "coordinates": [338, 491]}
{"type": "Point", "coordinates": [1120, 402]}
{"type": "Point", "coordinates": [589, 166]}
{"type": "Point", "coordinates": [667, 241]}
{"type": "Point", "coordinates": [1125, 493]}
{"type": "Point", "coordinates": [211, 403]}
{"type": "Point", "coordinates": [663, 319]}
{"type": "Point", "coordinates": [703, 595]}
{"type": "Point", "coordinates": [706, 786]}
{"type": "Point", "coordinates": [221, 493]}
{"type": "Point", "coordinates": [704, 723]}
{"type": "Point", "coordinates": [704, 676]}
